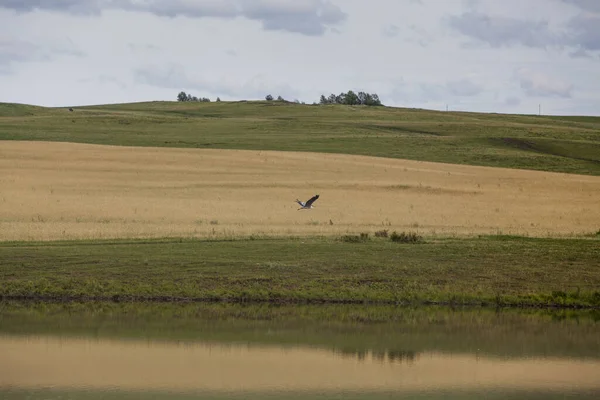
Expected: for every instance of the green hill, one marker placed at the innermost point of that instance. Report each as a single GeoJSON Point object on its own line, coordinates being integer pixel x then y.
{"type": "Point", "coordinates": [550, 143]}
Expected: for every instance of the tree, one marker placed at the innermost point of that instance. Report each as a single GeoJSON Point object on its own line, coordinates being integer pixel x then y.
{"type": "Point", "coordinates": [374, 100]}
{"type": "Point", "coordinates": [279, 98]}
{"type": "Point", "coordinates": [182, 96]}
{"type": "Point", "coordinates": [218, 99]}
{"type": "Point", "coordinates": [269, 97]}
{"type": "Point", "coordinates": [351, 98]}
{"type": "Point", "coordinates": [362, 98]}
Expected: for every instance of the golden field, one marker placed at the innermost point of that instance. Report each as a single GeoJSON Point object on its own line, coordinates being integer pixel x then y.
{"type": "Point", "coordinates": [73, 191]}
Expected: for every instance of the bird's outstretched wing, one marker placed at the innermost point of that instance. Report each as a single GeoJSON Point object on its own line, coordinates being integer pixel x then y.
{"type": "Point", "coordinates": [300, 202]}
{"type": "Point", "coordinates": [312, 200]}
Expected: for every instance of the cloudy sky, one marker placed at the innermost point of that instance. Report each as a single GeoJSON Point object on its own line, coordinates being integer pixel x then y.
{"type": "Point", "coordinates": [475, 55]}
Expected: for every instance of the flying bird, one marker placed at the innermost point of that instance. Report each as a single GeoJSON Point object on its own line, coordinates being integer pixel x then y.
{"type": "Point", "coordinates": [308, 204]}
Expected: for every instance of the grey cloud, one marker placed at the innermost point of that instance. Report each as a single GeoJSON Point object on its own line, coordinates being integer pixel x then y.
{"type": "Point", "coordinates": [584, 31]}
{"type": "Point", "coordinates": [391, 31]}
{"type": "Point", "coordinates": [419, 35]}
{"type": "Point", "coordinates": [428, 92]}
{"type": "Point", "coordinates": [463, 87]}
{"type": "Point", "coordinates": [170, 77]}
{"type": "Point", "coordinates": [535, 83]}
{"type": "Point", "coordinates": [502, 31]}
{"type": "Point", "coordinates": [105, 79]}
{"type": "Point", "coordinates": [411, 34]}
{"type": "Point", "coordinates": [580, 32]}
{"type": "Point", "coordinates": [587, 5]}
{"type": "Point", "coordinates": [17, 51]}
{"type": "Point", "coordinates": [70, 6]}
{"type": "Point", "coordinates": [512, 101]}
{"type": "Point", "coordinates": [307, 17]}
{"type": "Point", "coordinates": [175, 8]}
{"type": "Point", "coordinates": [142, 48]}
{"type": "Point", "coordinates": [580, 53]}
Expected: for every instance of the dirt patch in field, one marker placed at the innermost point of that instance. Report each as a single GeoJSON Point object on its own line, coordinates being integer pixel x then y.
{"type": "Point", "coordinates": [71, 191]}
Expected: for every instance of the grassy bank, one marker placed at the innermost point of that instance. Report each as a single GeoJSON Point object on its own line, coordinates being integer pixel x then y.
{"type": "Point", "coordinates": [509, 271]}
{"type": "Point", "coordinates": [561, 144]}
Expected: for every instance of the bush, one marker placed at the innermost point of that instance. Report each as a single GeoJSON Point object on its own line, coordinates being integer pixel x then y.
{"type": "Point", "coordinates": [363, 237]}
{"type": "Point", "coordinates": [403, 237]}
{"type": "Point", "coordinates": [382, 233]}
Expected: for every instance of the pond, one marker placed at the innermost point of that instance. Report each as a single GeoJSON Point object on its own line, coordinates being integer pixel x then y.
{"type": "Point", "coordinates": [184, 351]}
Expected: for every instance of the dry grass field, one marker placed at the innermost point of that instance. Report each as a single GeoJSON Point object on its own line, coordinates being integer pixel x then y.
{"type": "Point", "coordinates": [51, 190]}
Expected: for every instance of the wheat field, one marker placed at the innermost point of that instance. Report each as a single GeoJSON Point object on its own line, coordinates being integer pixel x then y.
{"type": "Point", "coordinates": [52, 191]}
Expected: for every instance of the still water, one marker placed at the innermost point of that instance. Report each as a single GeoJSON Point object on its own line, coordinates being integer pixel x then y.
{"type": "Point", "coordinates": [192, 351]}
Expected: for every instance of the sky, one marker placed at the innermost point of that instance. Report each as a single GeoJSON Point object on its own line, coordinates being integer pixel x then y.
{"type": "Point", "coordinates": [510, 56]}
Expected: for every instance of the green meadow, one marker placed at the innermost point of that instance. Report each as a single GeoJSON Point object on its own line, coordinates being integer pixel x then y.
{"type": "Point", "coordinates": [547, 143]}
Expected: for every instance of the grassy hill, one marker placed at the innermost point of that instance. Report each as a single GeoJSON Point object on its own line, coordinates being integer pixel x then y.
{"type": "Point", "coordinates": [550, 143]}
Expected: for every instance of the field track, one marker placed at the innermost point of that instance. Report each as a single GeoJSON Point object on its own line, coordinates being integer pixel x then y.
{"type": "Point", "coordinates": [51, 190]}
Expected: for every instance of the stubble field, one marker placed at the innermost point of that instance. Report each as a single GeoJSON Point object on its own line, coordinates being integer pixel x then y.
{"type": "Point", "coordinates": [56, 191]}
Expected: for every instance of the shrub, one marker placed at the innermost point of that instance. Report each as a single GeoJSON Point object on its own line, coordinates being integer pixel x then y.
{"type": "Point", "coordinates": [363, 237]}
{"type": "Point", "coordinates": [383, 233]}
{"type": "Point", "coordinates": [403, 237]}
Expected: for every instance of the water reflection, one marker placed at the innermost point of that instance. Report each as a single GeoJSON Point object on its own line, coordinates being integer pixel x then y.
{"type": "Point", "coordinates": [60, 351]}
{"type": "Point", "coordinates": [390, 356]}
{"type": "Point", "coordinates": [30, 362]}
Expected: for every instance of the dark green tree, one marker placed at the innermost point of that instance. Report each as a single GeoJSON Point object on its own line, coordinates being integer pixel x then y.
{"type": "Point", "coordinates": [351, 98]}
{"type": "Point", "coordinates": [182, 96]}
